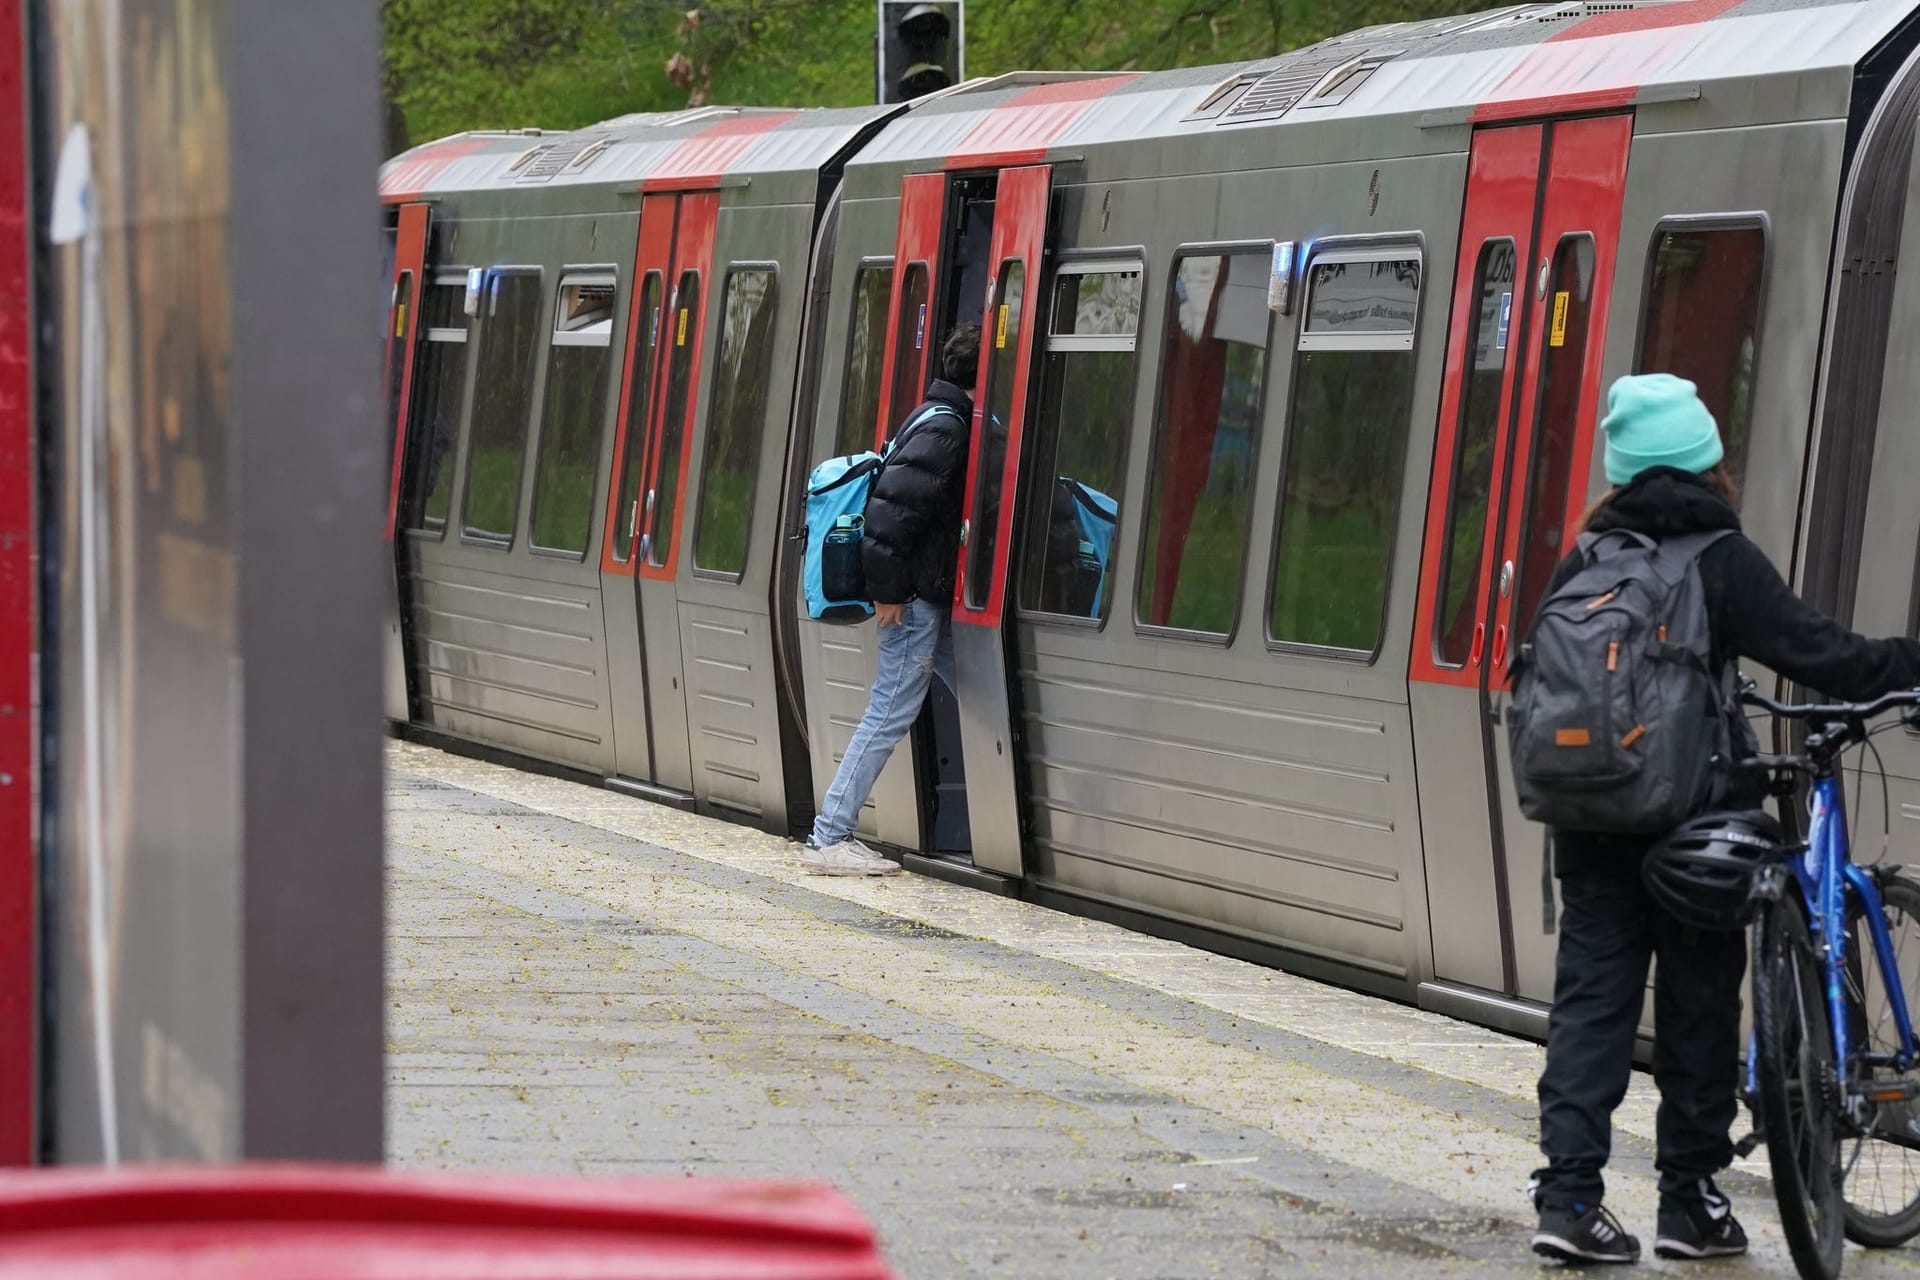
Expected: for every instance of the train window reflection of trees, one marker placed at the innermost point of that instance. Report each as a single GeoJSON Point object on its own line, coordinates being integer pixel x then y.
{"type": "Point", "coordinates": [1200, 485]}
{"type": "Point", "coordinates": [910, 374]}
{"type": "Point", "coordinates": [575, 409]}
{"type": "Point", "coordinates": [502, 403]}
{"type": "Point", "coordinates": [683, 335]}
{"type": "Point", "coordinates": [1702, 321]}
{"type": "Point", "coordinates": [859, 423]}
{"type": "Point", "coordinates": [633, 448]}
{"type": "Point", "coordinates": [1463, 552]}
{"type": "Point", "coordinates": [1346, 450]}
{"type": "Point", "coordinates": [1086, 415]}
{"type": "Point", "coordinates": [737, 421]}
{"type": "Point", "coordinates": [439, 395]}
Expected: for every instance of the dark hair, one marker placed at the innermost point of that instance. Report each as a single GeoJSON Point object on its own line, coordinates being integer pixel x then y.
{"type": "Point", "coordinates": [960, 356]}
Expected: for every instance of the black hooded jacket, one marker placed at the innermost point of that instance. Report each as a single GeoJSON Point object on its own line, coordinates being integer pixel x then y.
{"type": "Point", "coordinates": [913, 514]}
{"type": "Point", "coordinates": [1753, 615]}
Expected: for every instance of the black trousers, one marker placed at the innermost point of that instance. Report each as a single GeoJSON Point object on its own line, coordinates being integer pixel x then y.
{"type": "Point", "coordinates": [1609, 929]}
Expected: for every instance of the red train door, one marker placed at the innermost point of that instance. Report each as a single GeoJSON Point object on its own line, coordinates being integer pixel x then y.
{"type": "Point", "coordinates": [403, 333]}
{"type": "Point", "coordinates": [666, 332]}
{"type": "Point", "coordinates": [987, 728]}
{"type": "Point", "coordinates": [1510, 482]}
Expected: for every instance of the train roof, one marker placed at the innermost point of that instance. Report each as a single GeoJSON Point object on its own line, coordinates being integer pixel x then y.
{"type": "Point", "coordinates": [1524, 60]}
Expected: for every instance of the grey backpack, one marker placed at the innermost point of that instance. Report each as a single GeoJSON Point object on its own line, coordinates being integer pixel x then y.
{"type": "Point", "coordinates": [1618, 724]}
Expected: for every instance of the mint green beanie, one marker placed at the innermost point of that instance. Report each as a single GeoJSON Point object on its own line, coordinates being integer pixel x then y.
{"type": "Point", "coordinates": [1657, 420]}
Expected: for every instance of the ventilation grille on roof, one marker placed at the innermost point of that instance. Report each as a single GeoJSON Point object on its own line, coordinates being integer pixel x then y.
{"type": "Point", "coordinates": [550, 161]}
{"type": "Point", "coordinates": [1275, 92]}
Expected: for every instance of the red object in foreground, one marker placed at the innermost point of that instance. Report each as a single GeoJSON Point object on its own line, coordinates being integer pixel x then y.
{"type": "Point", "coordinates": [294, 1222]}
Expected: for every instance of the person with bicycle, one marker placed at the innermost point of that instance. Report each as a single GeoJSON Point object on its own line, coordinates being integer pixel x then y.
{"type": "Point", "coordinates": [1665, 461]}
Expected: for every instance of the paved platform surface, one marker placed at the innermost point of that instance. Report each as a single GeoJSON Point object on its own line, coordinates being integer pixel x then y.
{"type": "Point", "coordinates": [587, 982]}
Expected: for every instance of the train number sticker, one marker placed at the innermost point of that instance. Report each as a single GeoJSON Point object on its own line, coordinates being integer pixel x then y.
{"type": "Point", "coordinates": [1558, 336]}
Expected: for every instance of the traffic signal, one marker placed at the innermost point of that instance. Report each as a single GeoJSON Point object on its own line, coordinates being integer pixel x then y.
{"type": "Point", "coordinates": [921, 48]}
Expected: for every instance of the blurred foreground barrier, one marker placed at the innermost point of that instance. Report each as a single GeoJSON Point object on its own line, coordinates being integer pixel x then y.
{"type": "Point", "coordinates": [292, 1222]}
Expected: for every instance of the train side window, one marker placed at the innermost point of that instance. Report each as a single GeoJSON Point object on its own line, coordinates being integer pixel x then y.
{"type": "Point", "coordinates": [1346, 451]}
{"type": "Point", "coordinates": [1702, 318]}
{"type": "Point", "coordinates": [502, 403]}
{"type": "Point", "coordinates": [737, 422]}
{"type": "Point", "coordinates": [1463, 550]}
{"type": "Point", "coordinates": [402, 311]}
{"type": "Point", "coordinates": [575, 410]}
{"type": "Point", "coordinates": [1200, 484]}
{"type": "Point", "coordinates": [866, 353]}
{"type": "Point", "coordinates": [646, 351]}
{"type": "Point", "coordinates": [439, 397]}
{"type": "Point", "coordinates": [664, 497]}
{"type": "Point", "coordinates": [1086, 414]}
{"type": "Point", "coordinates": [910, 340]}
{"type": "Point", "coordinates": [1003, 347]}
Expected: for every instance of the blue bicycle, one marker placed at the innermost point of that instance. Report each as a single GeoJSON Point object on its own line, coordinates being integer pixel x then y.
{"type": "Point", "coordinates": [1836, 950]}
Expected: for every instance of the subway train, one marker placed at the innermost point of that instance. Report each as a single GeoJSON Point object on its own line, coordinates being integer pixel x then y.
{"type": "Point", "coordinates": [1286, 410]}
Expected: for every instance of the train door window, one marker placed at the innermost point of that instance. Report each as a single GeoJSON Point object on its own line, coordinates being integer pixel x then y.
{"type": "Point", "coordinates": [910, 377]}
{"type": "Point", "coordinates": [646, 349]}
{"type": "Point", "coordinates": [397, 351]}
{"type": "Point", "coordinates": [1463, 551]}
{"type": "Point", "coordinates": [1086, 414]}
{"type": "Point", "coordinates": [1702, 318]}
{"type": "Point", "coordinates": [578, 370]}
{"type": "Point", "coordinates": [433, 419]}
{"type": "Point", "coordinates": [1200, 485]}
{"type": "Point", "coordinates": [1003, 349]}
{"type": "Point", "coordinates": [866, 353]}
{"type": "Point", "coordinates": [1346, 451]}
{"type": "Point", "coordinates": [683, 334]}
{"type": "Point", "coordinates": [502, 403]}
{"type": "Point", "coordinates": [738, 420]}
{"type": "Point", "coordinates": [1563, 362]}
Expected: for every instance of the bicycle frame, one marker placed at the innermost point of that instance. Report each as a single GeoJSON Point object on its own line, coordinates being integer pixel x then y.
{"type": "Point", "coordinates": [1828, 879]}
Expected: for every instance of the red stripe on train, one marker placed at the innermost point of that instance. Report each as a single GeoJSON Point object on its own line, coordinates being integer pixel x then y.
{"type": "Point", "coordinates": [411, 174]}
{"type": "Point", "coordinates": [703, 159]}
{"type": "Point", "coordinates": [1019, 131]}
{"type": "Point", "coordinates": [1612, 54]}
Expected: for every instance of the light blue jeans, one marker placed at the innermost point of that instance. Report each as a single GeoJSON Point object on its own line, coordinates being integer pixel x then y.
{"type": "Point", "coordinates": [911, 654]}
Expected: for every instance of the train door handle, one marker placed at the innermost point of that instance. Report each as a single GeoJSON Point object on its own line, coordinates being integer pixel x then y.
{"type": "Point", "coordinates": [1479, 644]}
{"type": "Point", "coordinates": [1500, 645]}
{"type": "Point", "coordinates": [1506, 582]}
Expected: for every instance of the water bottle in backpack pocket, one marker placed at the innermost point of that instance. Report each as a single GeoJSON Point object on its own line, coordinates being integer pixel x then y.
{"type": "Point", "coordinates": [1618, 724]}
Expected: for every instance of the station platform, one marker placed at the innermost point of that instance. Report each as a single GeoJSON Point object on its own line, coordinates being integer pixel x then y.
{"type": "Point", "coordinates": [584, 981]}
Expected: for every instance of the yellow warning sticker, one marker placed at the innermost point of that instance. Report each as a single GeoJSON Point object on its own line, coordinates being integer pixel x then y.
{"type": "Point", "coordinates": [1000, 330]}
{"type": "Point", "coordinates": [680, 337]}
{"type": "Point", "coordinates": [400, 320]}
{"type": "Point", "coordinates": [1558, 336]}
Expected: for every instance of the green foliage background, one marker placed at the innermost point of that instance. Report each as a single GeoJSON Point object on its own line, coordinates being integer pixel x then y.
{"type": "Point", "coordinates": [558, 64]}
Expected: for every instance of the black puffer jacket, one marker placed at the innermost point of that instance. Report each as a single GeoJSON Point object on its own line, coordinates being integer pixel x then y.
{"type": "Point", "coordinates": [913, 514]}
{"type": "Point", "coordinates": [1753, 615]}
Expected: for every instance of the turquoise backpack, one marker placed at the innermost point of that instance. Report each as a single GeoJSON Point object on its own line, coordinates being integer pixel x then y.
{"type": "Point", "coordinates": [831, 574]}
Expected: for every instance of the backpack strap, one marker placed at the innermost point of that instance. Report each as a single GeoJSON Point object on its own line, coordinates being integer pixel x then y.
{"type": "Point", "coordinates": [927, 413]}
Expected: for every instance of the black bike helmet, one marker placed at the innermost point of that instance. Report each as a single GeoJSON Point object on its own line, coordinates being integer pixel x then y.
{"type": "Point", "coordinates": [1702, 872]}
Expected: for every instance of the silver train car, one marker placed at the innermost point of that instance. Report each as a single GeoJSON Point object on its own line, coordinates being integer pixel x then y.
{"type": "Point", "coordinates": [1287, 407]}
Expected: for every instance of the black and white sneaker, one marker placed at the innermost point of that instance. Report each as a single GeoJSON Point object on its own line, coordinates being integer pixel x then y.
{"type": "Point", "coordinates": [1582, 1234]}
{"type": "Point", "coordinates": [1699, 1226]}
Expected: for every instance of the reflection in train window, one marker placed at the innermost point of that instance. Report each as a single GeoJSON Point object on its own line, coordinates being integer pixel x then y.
{"type": "Point", "coordinates": [1200, 486]}
{"type": "Point", "coordinates": [683, 336]}
{"type": "Point", "coordinates": [575, 409]}
{"type": "Point", "coordinates": [859, 423]}
{"type": "Point", "coordinates": [1550, 503]}
{"type": "Point", "coordinates": [1346, 450]}
{"type": "Point", "coordinates": [633, 446]}
{"type": "Point", "coordinates": [502, 402]}
{"type": "Point", "coordinates": [1086, 413]}
{"type": "Point", "coordinates": [1702, 320]}
{"type": "Point", "coordinates": [910, 373]}
{"type": "Point", "coordinates": [433, 419]}
{"type": "Point", "coordinates": [1003, 366]}
{"type": "Point", "coordinates": [1463, 548]}
{"type": "Point", "coordinates": [737, 421]}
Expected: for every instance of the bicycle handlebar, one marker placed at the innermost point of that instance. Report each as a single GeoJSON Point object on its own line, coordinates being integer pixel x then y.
{"type": "Point", "coordinates": [1832, 710]}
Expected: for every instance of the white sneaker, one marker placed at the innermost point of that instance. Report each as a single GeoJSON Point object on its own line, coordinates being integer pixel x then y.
{"type": "Point", "coordinates": [847, 858]}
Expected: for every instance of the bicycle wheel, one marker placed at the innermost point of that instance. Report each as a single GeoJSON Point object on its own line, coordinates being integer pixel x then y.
{"type": "Point", "coordinates": [1797, 1087]}
{"type": "Point", "coordinates": [1880, 1151]}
